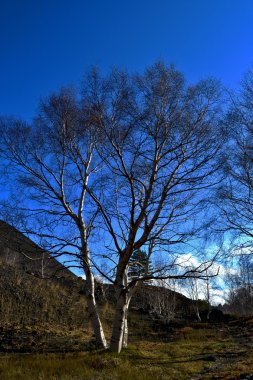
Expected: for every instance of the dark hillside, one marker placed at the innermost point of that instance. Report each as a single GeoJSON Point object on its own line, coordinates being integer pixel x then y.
{"type": "Point", "coordinates": [19, 251]}
{"type": "Point", "coordinates": [41, 314]}
{"type": "Point", "coordinates": [28, 300]}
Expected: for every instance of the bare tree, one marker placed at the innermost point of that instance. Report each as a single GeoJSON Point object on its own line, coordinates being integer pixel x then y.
{"type": "Point", "coordinates": [201, 290]}
{"type": "Point", "coordinates": [50, 163]}
{"type": "Point", "coordinates": [160, 150]}
{"type": "Point", "coordinates": [236, 190]}
{"type": "Point", "coordinates": [192, 286]}
{"type": "Point", "coordinates": [164, 302]}
{"type": "Point", "coordinates": [240, 285]}
{"type": "Point", "coordinates": [127, 167]}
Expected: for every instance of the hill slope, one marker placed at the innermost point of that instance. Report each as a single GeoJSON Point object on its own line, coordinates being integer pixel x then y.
{"type": "Point", "coordinates": [19, 251]}
{"type": "Point", "coordinates": [28, 300]}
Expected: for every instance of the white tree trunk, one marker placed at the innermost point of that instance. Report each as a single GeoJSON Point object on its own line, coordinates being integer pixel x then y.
{"type": "Point", "coordinates": [93, 312]}
{"type": "Point", "coordinates": [90, 293]}
{"type": "Point", "coordinates": [198, 315]}
{"type": "Point", "coordinates": [125, 334]}
{"type": "Point", "coordinates": [126, 330]}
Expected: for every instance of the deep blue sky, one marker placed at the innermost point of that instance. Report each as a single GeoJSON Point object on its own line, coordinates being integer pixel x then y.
{"type": "Point", "coordinates": [47, 43]}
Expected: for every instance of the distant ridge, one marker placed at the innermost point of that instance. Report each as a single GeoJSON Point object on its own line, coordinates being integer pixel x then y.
{"type": "Point", "coordinates": [22, 253]}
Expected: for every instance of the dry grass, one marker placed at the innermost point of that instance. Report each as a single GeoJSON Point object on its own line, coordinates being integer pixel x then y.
{"type": "Point", "coordinates": [194, 354]}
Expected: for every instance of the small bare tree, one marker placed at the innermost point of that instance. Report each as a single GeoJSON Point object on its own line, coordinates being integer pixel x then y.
{"type": "Point", "coordinates": [165, 300]}
{"type": "Point", "coordinates": [192, 285]}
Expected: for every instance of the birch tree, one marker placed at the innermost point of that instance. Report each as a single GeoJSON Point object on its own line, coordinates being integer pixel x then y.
{"type": "Point", "coordinates": [49, 163]}
{"type": "Point", "coordinates": [161, 143]}
{"type": "Point", "coordinates": [126, 166]}
{"type": "Point", "coordinates": [236, 199]}
{"type": "Point", "coordinates": [193, 291]}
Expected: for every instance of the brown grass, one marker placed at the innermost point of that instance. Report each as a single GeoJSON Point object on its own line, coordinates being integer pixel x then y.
{"type": "Point", "coordinates": [204, 354]}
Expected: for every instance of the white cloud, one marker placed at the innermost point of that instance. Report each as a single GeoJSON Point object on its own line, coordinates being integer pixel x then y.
{"type": "Point", "coordinates": [217, 284]}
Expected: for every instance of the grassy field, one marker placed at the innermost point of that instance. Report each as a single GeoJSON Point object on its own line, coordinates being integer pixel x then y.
{"type": "Point", "coordinates": [193, 352]}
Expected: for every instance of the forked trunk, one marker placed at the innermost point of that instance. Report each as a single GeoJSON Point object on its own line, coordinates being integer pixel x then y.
{"type": "Point", "coordinates": [93, 312]}
{"type": "Point", "coordinates": [124, 294]}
